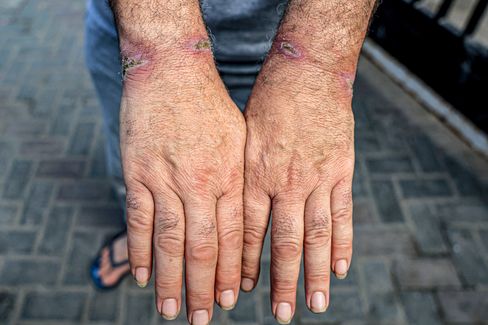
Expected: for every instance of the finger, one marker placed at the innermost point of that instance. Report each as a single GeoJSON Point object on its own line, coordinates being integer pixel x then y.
{"type": "Point", "coordinates": [201, 249]}
{"type": "Point", "coordinates": [230, 231]}
{"type": "Point", "coordinates": [342, 233]}
{"type": "Point", "coordinates": [140, 218]}
{"type": "Point", "coordinates": [317, 250]}
{"type": "Point", "coordinates": [286, 250]}
{"type": "Point", "coordinates": [169, 247]}
{"type": "Point", "coordinates": [256, 217]}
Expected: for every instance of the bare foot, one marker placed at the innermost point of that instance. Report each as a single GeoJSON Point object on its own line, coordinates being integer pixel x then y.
{"type": "Point", "coordinates": [111, 275]}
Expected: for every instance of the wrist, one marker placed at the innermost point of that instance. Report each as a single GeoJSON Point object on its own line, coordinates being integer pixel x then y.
{"type": "Point", "coordinates": [188, 60]}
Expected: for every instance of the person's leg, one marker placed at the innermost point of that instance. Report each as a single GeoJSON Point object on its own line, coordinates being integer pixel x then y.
{"type": "Point", "coordinates": [103, 63]}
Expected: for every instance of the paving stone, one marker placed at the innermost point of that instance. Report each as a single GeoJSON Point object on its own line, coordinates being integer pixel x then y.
{"type": "Point", "coordinates": [384, 307]}
{"type": "Point", "coordinates": [17, 241]}
{"type": "Point", "coordinates": [366, 143]}
{"type": "Point", "coordinates": [467, 257]}
{"type": "Point", "coordinates": [484, 238]}
{"type": "Point", "coordinates": [426, 154]}
{"type": "Point", "coordinates": [7, 214]}
{"type": "Point", "coordinates": [40, 305]}
{"type": "Point", "coordinates": [82, 139]}
{"type": "Point", "coordinates": [41, 147]}
{"type": "Point", "coordinates": [416, 188]}
{"type": "Point", "coordinates": [463, 211]}
{"type": "Point", "coordinates": [386, 201]}
{"type": "Point", "coordinates": [427, 230]}
{"type": "Point", "coordinates": [421, 308]}
{"type": "Point", "coordinates": [363, 212]}
{"type": "Point", "coordinates": [469, 307]}
{"type": "Point", "coordinates": [466, 183]}
{"type": "Point", "coordinates": [359, 188]}
{"type": "Point", "coordinates": [103, 216]}
{"type": "Point", "coordinates": [61, 168]}
{"type": "Point", "coordinates": [388, 165]}
{"type": "Point", "coordinates": [53, 242]}
{"type": "Point", "coordinates": [245, 310]}
{"type": "Point", "coordinates": [7, 151]}
{"type": "Point", "coordinates": [37, 203]}
{"type": "Point", "coordinates": [28, 271]}
{"type": "Point", "coordinates": [425, 273]}
{"type": "Point", "coordinates": [85, 246]}
{"type": "Point", "coordinates": [17, 179]}
{"type": "Point", "coordinates": [376, 276]}
{"type": "Point", "coordinates": [98, 165]}
{"type": "Point", "coordinates": [104, 306]}
{"type": "Point", "coordinates": [140, 309]}
{"type": "Point", "coordinates": [7, 305]}
{"type": "Point", "coordinates": [85, 191]}
{"type": "Point", "coordinates": [26, 128]}
{"type": "Point", "coordinates": [382, 242]}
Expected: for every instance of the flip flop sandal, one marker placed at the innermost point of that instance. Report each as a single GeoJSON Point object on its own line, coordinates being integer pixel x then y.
{"type": "Point", "coordinates": [95, 265]}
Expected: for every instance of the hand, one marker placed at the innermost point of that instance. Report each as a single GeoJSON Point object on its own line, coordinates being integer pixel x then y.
{"type": "Point", "coordinates": [182, 143]}
{"type": "Point", "coordinates": [299, 163]}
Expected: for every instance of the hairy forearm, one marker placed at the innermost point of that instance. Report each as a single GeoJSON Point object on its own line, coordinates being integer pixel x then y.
{"type": "Point", "coordinates": [317, 46]}
{"type": "Point", "coordinates": [162, 35]}
{"type": "Point", "coordinates": [324, 32]}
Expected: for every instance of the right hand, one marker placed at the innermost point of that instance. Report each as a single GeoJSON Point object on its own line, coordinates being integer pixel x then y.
{"type": "Point", "coordinates": [182, 143]}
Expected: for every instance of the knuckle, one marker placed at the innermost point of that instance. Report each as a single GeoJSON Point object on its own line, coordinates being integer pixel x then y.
{"type": "Point", "coordinates": [342, 244]}
{"type": "Point", "coordinates": [138, 221]}
{"type": "Point", "coordinates": [201, 299]}
{"type": "Point", "coordinates": [226, 278]}
{"type": "Point", "coordinates": [231, 237]}
{"type": "Point", "coordinates": [285, 227]}
{"type": "Point", "coordinates": [170, 244]}
{"type": "Point", "coordinates": [167, 221]}
{"type": "Point", "coordinates": [318, 275]}
{"type": "Point", "coordinates": [286, 250]}
{"type": "Point", "coordinates": [167, 287]}
{"type": "Point", "coordinates": [318, 232]}
{"type": "Point", "coordinates": [204, 253]}
{"type": "Point", "coordinates": [253, 235]}
{"type": "Point", "coordinates": [342, 215]}
{"type": "Point", "coordinates": [138, 254]}
{"type": "Point", "coordinates": [206, 227]}
{"type": "Point", "coordinates": [133, 201]}
{"type": "Point", "coordinates": [283, 286]}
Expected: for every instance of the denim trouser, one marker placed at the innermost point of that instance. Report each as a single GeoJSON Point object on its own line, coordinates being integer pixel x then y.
{"type": "Point", "coordinates": [104, 64]}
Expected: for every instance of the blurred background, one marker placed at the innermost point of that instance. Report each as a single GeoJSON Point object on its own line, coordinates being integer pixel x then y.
{"type": "Point", "coordinates": [420, 188]}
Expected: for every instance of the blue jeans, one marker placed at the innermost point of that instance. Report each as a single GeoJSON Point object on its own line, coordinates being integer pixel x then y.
{"type": "Point", "coordinates": [102, 55]}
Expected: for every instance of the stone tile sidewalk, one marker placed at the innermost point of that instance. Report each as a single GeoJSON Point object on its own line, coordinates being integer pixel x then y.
{"type": "Point", "coordinates": [421, 210]}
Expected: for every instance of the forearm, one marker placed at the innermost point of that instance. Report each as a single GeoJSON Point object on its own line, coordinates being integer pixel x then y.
{"type": "Point", "coordinates": [161, 35]}
{"type": "Point", "coordinates": [318, 41]}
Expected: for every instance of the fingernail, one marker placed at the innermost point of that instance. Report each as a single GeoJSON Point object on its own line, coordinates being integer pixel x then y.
{"type": "Point", "coordinates": [170, 309]}
{"type": "Point", "coordinates": [283, 313]}
{"type": "Point", "coordinates": [142, 275]}
{"type": "Point", "coordinates": [247, 284]}
{"type": "Point", "coordinates": [199, 317]}
{"type": "Point", "coordinates": [317, 304]}
{"type": "Point", "coordinates": [227, 300]}
{"type": "Point", "coordinates": [340, 269]}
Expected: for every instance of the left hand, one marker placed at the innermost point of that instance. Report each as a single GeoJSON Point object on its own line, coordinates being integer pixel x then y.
{"type": "Point", "coordinates": [299, 163]}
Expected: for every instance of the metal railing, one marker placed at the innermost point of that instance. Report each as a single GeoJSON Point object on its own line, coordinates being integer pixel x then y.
{"type": "Point", "coordinates": [445, 57]}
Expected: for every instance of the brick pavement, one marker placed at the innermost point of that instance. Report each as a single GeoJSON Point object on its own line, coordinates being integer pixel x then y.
{"type": "Point", "coordinates": [421, 211]}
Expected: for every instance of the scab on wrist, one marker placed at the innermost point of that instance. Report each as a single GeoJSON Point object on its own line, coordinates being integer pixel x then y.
{"type": "Point", "coordinates": [129, 63]}
{"type": "Point", "coordinates": [288, 49]}
{"type": "Point", "coordinates": [199, 44]}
